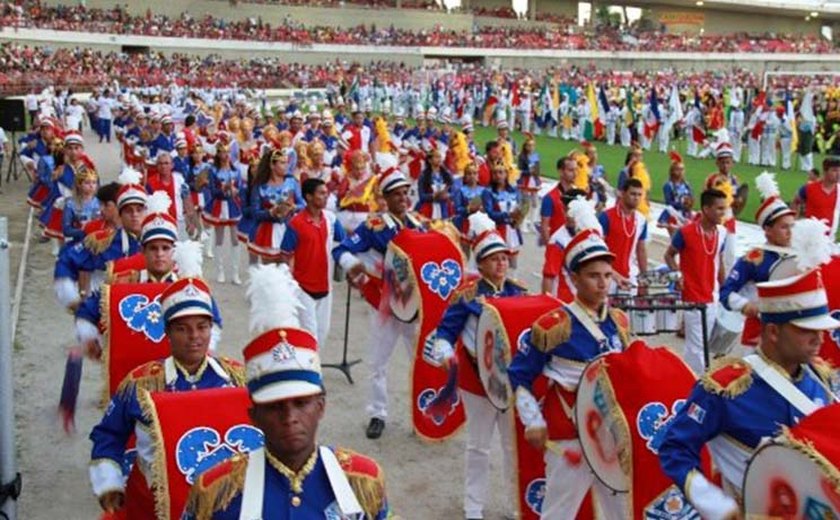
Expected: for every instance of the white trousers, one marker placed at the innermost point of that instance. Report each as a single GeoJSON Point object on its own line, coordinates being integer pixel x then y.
{"type": "Point", "coordinates": [693, 353]}
{"type": "Point", "coordinates": [737, 146]}
{"type": "Point", "coordinates": [569, 478]}
{"type": "Point", "coordinates": [384, 334]}
{"type": "Point", "coordinates": [316, 316]}
{"type": "Point", "coordinates": [625, 136]}
{"type": "Point", "coordinates": [806, 162]}
{"type": "Point", "coordinates": [768, 151]}
{"type": "Point", "coordinates": [610, 134]}
{"type": "Point", "coordinates": [754, 151]}
{"type": "Point", "coordinates": [787, 152]}
{"type": "Point", "coordinates": [691, 148]}
{"type": "Point", "coordinates": [482, 421]}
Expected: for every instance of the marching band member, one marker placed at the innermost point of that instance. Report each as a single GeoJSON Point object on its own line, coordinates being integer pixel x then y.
{"type": "Point", "coordinates": [552, 207]}
{"type": "Point", "coordinates": [529, 181]}
{"type": "Point", "coordinates": [678, 196]}
{"type": "Point", "coordinates": [275, 196]}
{"type": "Point", "coordinates": [743, 401]}
{"type": "Point", "coordinates": [725, 181]}
{"type": "Point", "coordinates": [172, 183]}
{"type": "Point", "coordinates": [83, 207]}
{"type": "Point", "coordinates": [738, 291]}
{"type": "Point", "coordinates": [819, 198]}
{"type": "Point", "coordinates": [625, 232]}
{"type": "Point", "coordinates": [700, 245]}
{"type": "Point", "coordinates": [356, 191]}
{"type": "Point", "coordinates": [460, 321]}
{"type": "Point", "coordinates": [385, 330]}
{"type": "Point", "coordinates": [76, 264]}
{"type": "Point", "coordinates": [502, 203]}
{"type": "Point", "coordinates": [467, 200]}
{"type": "Point", "coordinates": [559, 345]}
{"type": "Point", "coordinates": [292, 476]}
{"type": "Point", "coordinates": [224, 209]}
{"type": "Point", "coordinates": [434, 188]}
{"type": "Point", "coordinates": [187, 311]}
{"type": "Point", "coordinates": [556, 279]}
{"type": "Point", "coordinates": [306, 243]}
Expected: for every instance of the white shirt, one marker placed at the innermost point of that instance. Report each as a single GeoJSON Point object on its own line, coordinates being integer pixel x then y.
{"type": "Point", "coordinates": [104, 106]}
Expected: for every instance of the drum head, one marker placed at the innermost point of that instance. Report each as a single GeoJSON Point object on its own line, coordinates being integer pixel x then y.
{"type": "Point", "coordinates": [782, 482]}
{"type": "Point", "coordinates": [403, 297]}
{"type": "Point", "coordinates": [601, 434]}
{"type": "Point", "coordinates": [493, 355]}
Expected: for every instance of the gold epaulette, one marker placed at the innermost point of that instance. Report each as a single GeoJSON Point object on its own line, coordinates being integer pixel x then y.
{"type": "Point", "coordinates": [375, 222]}
{"type": "Point", "coordinates": [100, 241]}
{"type": "Point", "coordinates": [366, 478]}
{"type": "Point", "coordinates": [755, 256]}
{"type": "Point", "coordinates": [551, 329]}
{"type": "Point", "coordinates": [825, 371]}
{"type": "Point", "coordinates": [150, 376]}
{"type": "Point", "coordinates": [622, 324]}
{"type": "Point", "coordinates": [518, 283]}
{"type": "Point", "coordinates": [730, 377]}
{"type": "Point", "coordinates": [466, 291]}
{"type": "Point", "coordinates": [234, 368]}
{"type": "Point", "coordinates": [216, 488]}
{"type": "Point", "coordinates": [132, 276]}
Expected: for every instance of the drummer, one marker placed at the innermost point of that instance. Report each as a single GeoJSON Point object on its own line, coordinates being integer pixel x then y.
{"type": "Point", "coordinates": [742, 401]}
{"type": "Point", "coordinates": [558, 346]}
{"type": "Point", "coordinates": [460, 320]}
{"type": "Point", "coordinates": [738, 291]}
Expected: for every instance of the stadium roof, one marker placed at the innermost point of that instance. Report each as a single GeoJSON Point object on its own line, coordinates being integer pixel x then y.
{"type": "Point", "coordinates": [826, 9]}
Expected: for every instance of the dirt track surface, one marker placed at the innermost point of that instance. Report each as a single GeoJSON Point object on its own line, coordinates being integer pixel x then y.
{"type": "Point", "coordinates": [424, 481]}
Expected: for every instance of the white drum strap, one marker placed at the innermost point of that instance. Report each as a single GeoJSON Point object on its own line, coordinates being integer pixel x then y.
{"type": "Point", "coordinates": [254, 488]}
{"type": "Point", "coordinates": [586, 320]}
{"type": "Point", "coordinates": [344, 495]}
{"type": "Point", "coordinates": [781, 385]}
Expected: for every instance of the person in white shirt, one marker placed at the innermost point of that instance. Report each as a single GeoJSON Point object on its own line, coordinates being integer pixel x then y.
{"type": "Point", "coordinates": [104, 115]}
{"type": "Point", "coordinates": [73, 115]}
{"type": "Point", "coordinates": [32, 107]}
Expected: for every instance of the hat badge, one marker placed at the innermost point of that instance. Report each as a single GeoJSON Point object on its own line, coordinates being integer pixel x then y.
{"type": "Point", "coordinates": [283, 352]}
{"type": "Point", "coordinates": [191, 291]}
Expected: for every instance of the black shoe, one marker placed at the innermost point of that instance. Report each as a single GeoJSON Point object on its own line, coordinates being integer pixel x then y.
{"type": "Point", "coordinates": [375, 427]}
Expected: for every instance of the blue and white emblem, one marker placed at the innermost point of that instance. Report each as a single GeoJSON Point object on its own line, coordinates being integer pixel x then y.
{"type": "Point", "coordinates": [142, 315]}
{"type": "Point", "coordinates": [441, 279]}
{"type": "Point", "coordinates": [201, 448]}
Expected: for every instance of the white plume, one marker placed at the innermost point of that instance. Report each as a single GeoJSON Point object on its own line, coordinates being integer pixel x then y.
{"type": "Point", "coordinates": [582, 211]}
{"type": "Point", "coordinates": [158, 202]}
{"type": "Point", "coordinates": [812, 243]}
{"type": "Point", "coordinates": [767, 185]}
{"type": "Point", "coordinates": [479, 223]}
{"type": "Point", "coordinates": [386, 161]}
{"type": "Point", "coordinates": [273, 297]}
{"type": "Point", "coordinates": [189, 259]}
{"type": "Point", "coordinates": [129, 176]}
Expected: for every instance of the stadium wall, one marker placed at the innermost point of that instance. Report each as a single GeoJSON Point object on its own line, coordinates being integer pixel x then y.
{"type": "Point", "coordinates": [727, 22]}
{"type": "Point", "coordinates": [508, 58]}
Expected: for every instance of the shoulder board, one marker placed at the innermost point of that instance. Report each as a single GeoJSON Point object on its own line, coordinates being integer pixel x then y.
{"type": "Point", "coordinates": [419, 219]}
{"type": "Point", "coordinates": [217, 487]}
{"type": "Point", "coordinates": [234, 368]}
{"type": "Point", "coordinates": [518, 283]}
{"type": "Point", "coordinates": [366, 478]}
{"type": "Point", "coordinates": [132, 276]}
{"type": "Point", "coordinates": [755, 256]}
{"type": "Point", "coordinates": [730, 377]}
{"type": "Point", "coordinates": [149, 376]}
{"type": "Point", "coordinates": [375, 222]}
{"type": "Point", "coordinates": [551, 329]}
{"type": "Point", "coordinates": [99, 241]}
{"type": "Point", "coordinates": [466, 291]}
{"type": "Point", "coordinates": [622, 323]}
{"type": "Point", "coordinates": [825, 371]}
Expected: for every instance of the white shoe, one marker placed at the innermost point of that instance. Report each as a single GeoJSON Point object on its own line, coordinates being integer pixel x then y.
{"type": "Point", "coordinates": [235, 280]}
{"type": "Point", "coordinates": [220, 277]}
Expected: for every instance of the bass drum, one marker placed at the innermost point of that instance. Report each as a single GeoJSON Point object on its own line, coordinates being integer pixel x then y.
{"type": "Point", "coordinates": [399, 288]}
{"type": "Point", "coordinates": [500, 332]}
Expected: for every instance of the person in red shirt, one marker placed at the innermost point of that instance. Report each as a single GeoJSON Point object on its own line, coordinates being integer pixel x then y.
{"type": "Point", "coordinates": [626, 233]}
{"type": "Point", "coordinates": [557, 280]}
{"type": "Point", "coordinates": [306, 244]}
{"type": "Point", "coordinates": [819, 198]}
{"type": "Point", "coordinates": [492, 154]}
{"type": "Point", "coordinates": [552, 210]}
{"type": "Point", "coordinates": [700, 245]}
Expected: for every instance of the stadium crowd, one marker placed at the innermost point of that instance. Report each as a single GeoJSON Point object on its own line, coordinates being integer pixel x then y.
{"type": "Point", "coordinates": [118, 21]}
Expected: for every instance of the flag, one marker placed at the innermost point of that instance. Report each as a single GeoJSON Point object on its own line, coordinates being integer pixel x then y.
{"type": "Point", "coordinates": [515, 99]}
{"type": "Point", "coordinates": [674, 106]}
{"type": "Point", "coordinates": [546, 107]}
{"type": "Point", "coordinates": [590, 129]}
{"type": "Point", "coordinates": [353, 91]}
{"type": "Point", "coordinates": [602, 101]}
{"type": "Point", "coordinates": [791, 120]}
{"type": "Point", "coordinates": [631, 108]}
{"type": "Point", "coordinates": [654, 105]}
{"type": "Point", "coordinates": [652, 123]}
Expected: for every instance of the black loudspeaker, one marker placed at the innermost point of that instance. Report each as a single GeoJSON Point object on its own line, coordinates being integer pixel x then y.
{"type": "Point", "coordinates": [12, 115]}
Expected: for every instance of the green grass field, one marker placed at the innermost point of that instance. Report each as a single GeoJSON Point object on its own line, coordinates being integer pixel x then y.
{"type": "Point", "coordinates": [696, 170]}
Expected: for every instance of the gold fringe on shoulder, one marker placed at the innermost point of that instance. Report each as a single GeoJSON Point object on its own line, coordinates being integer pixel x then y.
{"type": "Point", "coordinates": [98, 244]}
{"type": "Point", "coordinates": [236, 371]}
{"type": "Point", "coordinates": [622, 323]}
{"type": "Point", "coordinates": [735, 387]}
{"type": "Point", "coordinates": [158, 478]}
{"type": "Point", "coordinates": [551, 330]}
{"type": "Point", "coordinates": [518, 283]}
{"type": "Point", "coordinates": [369, 490]}
{"type": "Point", "coordinates": [203, 500]}
{"type": "Point", "coordinates": [466, 292]}
{"type": "Point", "coordinates": [150, 382]}
{"type": "Point", "coordinates": [824, 370]}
